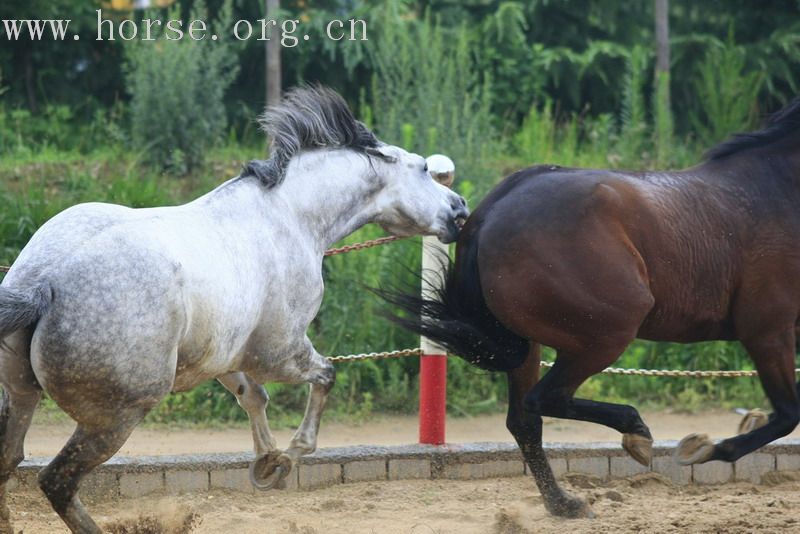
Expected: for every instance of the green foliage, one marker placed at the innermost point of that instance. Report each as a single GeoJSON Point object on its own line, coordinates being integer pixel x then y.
{"type": "Point", "coordinates": [425, 79]}
{"type": "Point", "coordinates": [178, 89]}
{"type": "Point", "coordinates": [726, 92]}
{"type": "Point", "coordinates": [23, 133]}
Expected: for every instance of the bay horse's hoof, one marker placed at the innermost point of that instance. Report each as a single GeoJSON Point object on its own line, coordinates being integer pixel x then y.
{"type": "Point", "coordinates": [639, 447]}
{"type": "Point", "coordinates": [694, 449]}
{"type": "Point", "coordinates": [752, 420]}
{"type": "Point", "coordinates": [569, 507]}
{"type": "Point", "coordinates": [269, 470]}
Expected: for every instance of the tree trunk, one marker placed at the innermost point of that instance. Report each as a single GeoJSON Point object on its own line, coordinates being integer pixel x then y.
{"type": "Point", "coordinates": [662, 111]}
{"type": "Point", "coordinates": [272, 64]}
{"type": "Point", "coordinates": [30, 82]}
{"type": "Point", "coordinates": [662, 36]}
{"type": "Point", "coordinates": [273, 56]}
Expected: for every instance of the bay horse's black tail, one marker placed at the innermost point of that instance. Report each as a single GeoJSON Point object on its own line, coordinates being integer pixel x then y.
{"type": "Point", "coordinates": [458, 318]}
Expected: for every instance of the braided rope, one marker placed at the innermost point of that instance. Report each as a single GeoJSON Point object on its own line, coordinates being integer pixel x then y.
{"type": "Point", "coordinates": [359, 246]}
{"type": "Point", "coordinates": [609, 370]}
{"type": "Point", "coordinates": [674, 373]}
{"type": "Point", "coordinates": [377, 355]}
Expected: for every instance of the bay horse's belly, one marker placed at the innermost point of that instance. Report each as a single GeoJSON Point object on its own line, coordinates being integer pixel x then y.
{"type": "Point", "coordinates": [693, 297]}
{"type": "Point", "coordinates": [685, 326]}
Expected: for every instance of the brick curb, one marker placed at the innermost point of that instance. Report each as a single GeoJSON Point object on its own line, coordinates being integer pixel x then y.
{"type": "Point", "coordinates": [136, 476]}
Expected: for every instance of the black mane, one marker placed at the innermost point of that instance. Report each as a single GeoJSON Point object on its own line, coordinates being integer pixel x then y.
{"type": "Point", "coordinates": [307, 117]}
{"type": "Point", "coordinates": [781, 124]}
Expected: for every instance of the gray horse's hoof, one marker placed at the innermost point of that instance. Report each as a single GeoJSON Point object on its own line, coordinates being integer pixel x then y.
{"type": "Point", "coordinates": [752, 420]}
{"type": "Point", "coordinates": [694, 449]}
{"type": "Point", "coordinates": [639, 447]}
{"type": "Point", "coordinates": [570, 507]}
{"type": "Point", "coordinates": [269, 471]}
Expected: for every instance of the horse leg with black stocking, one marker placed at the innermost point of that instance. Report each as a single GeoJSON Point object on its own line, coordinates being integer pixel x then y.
{"type": "Point", "coordinates": [553, 397]}
{"type": "Point", "coordinates": [773, 355]}
{"type": "Point", "coordinates": [527, 431]}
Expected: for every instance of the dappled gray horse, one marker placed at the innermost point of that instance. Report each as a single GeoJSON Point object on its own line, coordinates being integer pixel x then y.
{"type": "Point", "coordinates": [108, 309]}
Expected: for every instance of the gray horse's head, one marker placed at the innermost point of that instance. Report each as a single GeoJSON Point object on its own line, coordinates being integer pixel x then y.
{"type": "Point", "coordinates": [408, 201]}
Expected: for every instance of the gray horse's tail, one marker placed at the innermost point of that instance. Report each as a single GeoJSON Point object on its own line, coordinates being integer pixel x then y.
{"type": "Point", "coordinates": [20, 309]}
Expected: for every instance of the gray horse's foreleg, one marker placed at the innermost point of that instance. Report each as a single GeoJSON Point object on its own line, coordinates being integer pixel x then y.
{"type": "Point", "coordinates": [253, 398]}
{"type": "Point", "coordinates": [16, 413]}
{"type": "Point", "coordinates": [268, 471]}
{"type": "Point", "coordinates": [321, 379]}
{"type": "Point", "coordinates": [86, 449]}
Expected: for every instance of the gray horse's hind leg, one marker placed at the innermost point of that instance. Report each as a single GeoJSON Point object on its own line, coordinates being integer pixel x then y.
{"type": "Point", "coordinates": [85, 450]}
{"type": "Point", "coordinates": [16, 413]}
{"type": "Point", "coordinates": [253, 398]}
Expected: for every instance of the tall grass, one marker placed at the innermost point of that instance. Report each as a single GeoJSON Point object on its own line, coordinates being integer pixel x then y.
{"type": "Point", "coordinates": [726, 92]}
{"type": "Point", "coordinates": [427, 95]}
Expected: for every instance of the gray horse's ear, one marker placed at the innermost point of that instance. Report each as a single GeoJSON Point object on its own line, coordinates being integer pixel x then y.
{"type": "Point", "coordinates": [382, 155]}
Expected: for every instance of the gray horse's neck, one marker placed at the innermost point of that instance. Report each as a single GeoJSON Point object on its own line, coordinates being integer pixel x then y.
{"type": "Point", "coordinates": [327, 194]}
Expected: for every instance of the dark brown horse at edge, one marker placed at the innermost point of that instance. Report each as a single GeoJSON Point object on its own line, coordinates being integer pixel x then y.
{"type": "Point", "coordinates": [585, 261]}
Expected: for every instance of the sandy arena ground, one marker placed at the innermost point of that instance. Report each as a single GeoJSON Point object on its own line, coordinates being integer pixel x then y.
{"type": "Point", "coordinates": [646, 503]}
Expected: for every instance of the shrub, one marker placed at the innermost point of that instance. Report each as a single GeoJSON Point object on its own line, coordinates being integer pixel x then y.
{"type": "Point", "coordinates": [177, 89]}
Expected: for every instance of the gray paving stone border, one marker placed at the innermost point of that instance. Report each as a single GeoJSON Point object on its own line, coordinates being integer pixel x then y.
{"type": "Point", "coordinates": [136, 476]}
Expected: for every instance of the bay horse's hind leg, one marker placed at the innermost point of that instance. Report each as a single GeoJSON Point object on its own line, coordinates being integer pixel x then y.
{"type": "Point", "coordinates": [774, 357]}
{"type": "Point", "coordinates": [553, 396]}
{"type": "Point", "coordinates": [526, 428]}
{"type": "Point", "coordinates": [86, 449]}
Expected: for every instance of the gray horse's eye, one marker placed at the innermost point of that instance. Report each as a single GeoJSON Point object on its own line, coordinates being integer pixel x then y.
{"type": "Point", "coordinates": [426, 167]}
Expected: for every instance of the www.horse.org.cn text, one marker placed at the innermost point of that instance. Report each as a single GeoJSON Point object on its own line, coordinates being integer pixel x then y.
{"type": "Point", "coordinates": [288, 32]}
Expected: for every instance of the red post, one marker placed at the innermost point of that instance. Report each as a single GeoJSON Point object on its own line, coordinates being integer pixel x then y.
{"type": "Point", "coordinates": [433, 362]}
{"type": "Point", "coordinates": [432, 398]}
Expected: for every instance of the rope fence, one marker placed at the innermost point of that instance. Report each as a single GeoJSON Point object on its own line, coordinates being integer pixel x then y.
{"type": "Point", "coordinates": [361, 246]}
{"type": "Point", "coordinates": [608, 370]}
{"type": "Point", "coordinates": [418, 352]}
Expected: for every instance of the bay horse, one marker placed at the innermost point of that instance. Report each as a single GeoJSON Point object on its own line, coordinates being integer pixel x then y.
{"type": "Point", "coordinates": [585, 261]}
{"type": "Point", "coordinates": [108, 309]}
